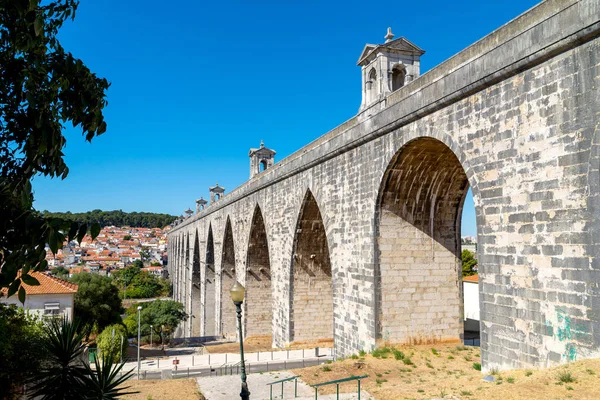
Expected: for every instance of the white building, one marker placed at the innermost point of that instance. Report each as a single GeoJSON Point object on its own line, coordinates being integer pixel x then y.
{"type": "Point", "coordinates": [471, 301]}
{"type": "Point", "coordinates": [52, 297]}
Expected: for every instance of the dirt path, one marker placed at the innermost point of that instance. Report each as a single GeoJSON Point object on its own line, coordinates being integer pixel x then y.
{"type": "Point", "coordinates": [168, 389]}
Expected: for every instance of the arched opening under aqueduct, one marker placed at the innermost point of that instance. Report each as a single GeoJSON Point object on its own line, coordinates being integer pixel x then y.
{"type": "Point", "coordinates": [228, 278]}
{"type": "Point", "coordinates": [196, 288]}
{"type": "Point", "coordinates": [259, 298]}
{"type": "Point", "coordinates": [312, 292]}
{"type": "Point", "coordinates": [419, 274]}
{"type": "Point", "coordinates": [209, 288]}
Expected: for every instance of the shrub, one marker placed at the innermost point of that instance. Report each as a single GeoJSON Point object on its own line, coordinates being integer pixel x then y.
{"type": "Point", "coordinates": [326, 369]}
{"type": "Point", "coordinates": [510, 380]}
{"type": "Point", "coordinates": [112, 341]}
{"type": "Point", "coordinates": [407, 361]}
{"type": "Point", "coordinates": [528, 373]}
{"type": "Point", "coordinates": [381, 353]}
{"type": "Point", "coordinates": [450, 358]}
{"type": "Point", "coordinates": [477, 366]}
{"type": "Point", "coordinates": [435, 352]}
{"type": "Point", "coordinates": [362, 353]}
{"type": "Point", "coordinates": [398, 355]}
{"type": "Point", "coordinates": [566, 377]}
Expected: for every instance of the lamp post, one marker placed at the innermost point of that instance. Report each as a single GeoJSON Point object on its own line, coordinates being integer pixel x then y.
{"type": "Point", "coordinates": [150, 336]}
{"type": "Point", "coordinates": [138, 343]}
{"type": "Point", "coordinates": [237, 295]}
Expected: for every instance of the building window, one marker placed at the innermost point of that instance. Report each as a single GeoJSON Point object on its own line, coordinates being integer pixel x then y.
{"type": "Point", "coordinates": [51, 309]}
{"type": "Point", "coordinates": [372, 86]}
{"type": "Point", "coordinates": [398, 77]}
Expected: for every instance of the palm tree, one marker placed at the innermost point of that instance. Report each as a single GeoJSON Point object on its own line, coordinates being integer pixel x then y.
{"type": "Point", "coordinates": [65, 375]}
{"type": "Point", "coordinates": [103, 382]}
{"type": "Point", "coordinates": [62, 375]}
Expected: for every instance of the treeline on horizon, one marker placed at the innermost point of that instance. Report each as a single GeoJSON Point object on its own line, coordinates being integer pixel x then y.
{"type": "Point", "coordinates": [117, 218]}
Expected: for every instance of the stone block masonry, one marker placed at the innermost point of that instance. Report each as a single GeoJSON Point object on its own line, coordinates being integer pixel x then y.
{"type": "Point", "coordinates": [362, 226]}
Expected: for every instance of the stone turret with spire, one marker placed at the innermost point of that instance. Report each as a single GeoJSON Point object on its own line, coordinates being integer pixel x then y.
{"type": "Point", "coordinates": [387, 67]}
{"type": "Point", "coordinates": [216, 192]}
{"type": "Point", "coordinates": [260, 159]}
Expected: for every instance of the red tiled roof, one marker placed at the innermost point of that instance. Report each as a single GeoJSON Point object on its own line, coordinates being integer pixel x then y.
{"type": "Point", "coordinates": [472, 278]}
{"type": "Point", "coordinates": [48, 285]}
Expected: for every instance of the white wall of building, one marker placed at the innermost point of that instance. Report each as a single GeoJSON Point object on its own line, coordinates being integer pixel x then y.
{"type": "Point", "coordinates": [38, 303]}
{"type": "Point", "coordinates": [471, 293]}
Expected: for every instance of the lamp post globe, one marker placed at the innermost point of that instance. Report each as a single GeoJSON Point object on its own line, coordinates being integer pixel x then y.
{"type": "Point", "coordinates": [237, 292]}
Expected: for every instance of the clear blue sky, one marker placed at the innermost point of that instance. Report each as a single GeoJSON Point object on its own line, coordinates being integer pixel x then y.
{"type": "Point", "coordinates": [195, 84]}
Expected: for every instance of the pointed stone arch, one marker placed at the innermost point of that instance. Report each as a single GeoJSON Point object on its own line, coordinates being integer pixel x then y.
{"type": "Point", "coordinates": [311, 294]}
{"type": "Point", "coordinates": [209, 287]}
{"type": "Point", "coordinates": [228, 278]}
{"type": "Point", "coordinates": [418, 274]}
{"type": "Point", "coordinates": [196, 288]}
{"type": "Point", "coordinates": [259, 297]}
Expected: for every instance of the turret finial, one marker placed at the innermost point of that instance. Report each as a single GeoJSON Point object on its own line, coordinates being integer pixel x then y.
{"type": "Point", "coordinates": [389, 36]}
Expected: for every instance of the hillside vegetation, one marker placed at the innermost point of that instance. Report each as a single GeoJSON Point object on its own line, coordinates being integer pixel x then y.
{"type": "Point", "coordinates": [116, 218]}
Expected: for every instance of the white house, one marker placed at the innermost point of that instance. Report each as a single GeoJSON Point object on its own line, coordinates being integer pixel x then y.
{"type": "Point", "coordinates": [471, 302]}
{"type": "Point", "coordinates": [52, 297]}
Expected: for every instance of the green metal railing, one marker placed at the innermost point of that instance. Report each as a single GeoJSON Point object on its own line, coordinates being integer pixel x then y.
{"type": "Point", "coordinates": [230, 367]}
{"type": "Point", "coordinates": [282, 381]}
{"type": "Point", "coordinates": [337, 384]}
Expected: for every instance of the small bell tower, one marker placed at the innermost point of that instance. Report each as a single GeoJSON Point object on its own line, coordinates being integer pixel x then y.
{"type": "Point", "coordinates": [387, 67]}
{"type": "Point", "coordinates": [216, 192]}
{"type": "Point", "coordinates": [260, 159]}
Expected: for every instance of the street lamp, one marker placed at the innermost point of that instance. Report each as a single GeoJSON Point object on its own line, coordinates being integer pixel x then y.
{"type": "Point", "coordinates": [237, 295]}
{"type": "Point", "coordinates": [151, 336]}
{"type": "Point", "coordinates": [138, 343]}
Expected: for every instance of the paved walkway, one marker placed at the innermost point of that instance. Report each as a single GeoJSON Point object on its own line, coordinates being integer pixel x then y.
{"type": "Point", "coordinates": [187, 360]}
{"type": "Point", "coordinates": [228, 388]}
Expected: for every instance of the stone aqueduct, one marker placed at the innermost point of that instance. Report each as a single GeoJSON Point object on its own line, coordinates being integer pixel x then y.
{"type": "Point", "coordinates": [356, 236]}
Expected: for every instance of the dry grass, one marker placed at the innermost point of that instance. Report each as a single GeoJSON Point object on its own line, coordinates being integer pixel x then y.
{"type": "Point", "coordinates": [263, 343]}
{"type": "Point", "coordinates": [448, 370]}
{"type": "Point", "coordinates": [168, 389]}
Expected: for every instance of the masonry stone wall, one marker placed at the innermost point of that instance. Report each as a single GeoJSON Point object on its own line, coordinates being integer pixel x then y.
{"type": "Point", "coordinates": [519, 110]}
{"type": "Point", "coordinates": [209, 289]}
{"type": "Point", "coordinates": [228, 278]}
{"type": "Point", "coordinates": [418, 296]}
{"type": "Point", "coordinates": [259, 299]}
{"type": "Point", "coordinates": [312, 294]}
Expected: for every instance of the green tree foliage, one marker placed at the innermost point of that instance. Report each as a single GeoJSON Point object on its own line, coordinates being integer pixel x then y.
{"type": "Point", "coordinates": [138, 264]}
{"type": "Point", "coordinates": [117, 218]}
{"type": "Point", "coordinates": [64, 375]}
{"type": "Point", "coordinates": [140, 284]}
{"type": "Point", "coordinates": [127, 237]}
{"type": "Point", "coordinates": [145, 255]}
{"type": "Point", "coordinates": [20, 349]}
{"type": "Point", "coordinates": [112, 342]}
{"type": "Point", "coordinates": [163, 315]}
{"type": "Point", "coordinates": [42, 88]}
{"type": "Point", "coordinates": [468, 263]}
{"type": "Point", "coordinates": [97, 302]}
{"type": "Point", "coordinates": [60, 272]}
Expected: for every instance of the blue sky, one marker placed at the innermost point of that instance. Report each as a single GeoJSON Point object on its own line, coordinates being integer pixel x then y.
{"type": "Point", "coordinates": [195, 84]}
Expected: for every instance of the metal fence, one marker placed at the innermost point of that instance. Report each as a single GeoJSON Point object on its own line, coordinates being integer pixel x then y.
{"type": "Point", "coordinates": [229, 369]}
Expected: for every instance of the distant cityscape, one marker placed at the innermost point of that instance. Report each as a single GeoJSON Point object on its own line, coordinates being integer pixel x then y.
{"type": "Point", "coordinates": [114, 248]}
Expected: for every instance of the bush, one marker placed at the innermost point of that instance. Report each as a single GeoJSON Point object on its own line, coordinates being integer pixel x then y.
{"type": "Point", "coordinates": [566, 377]}
{"type": "Point", "coordinates": [110, 341]}
{"type": "Point", "coordinates": [398, 355]}
{"type": "Point", "coordinates": [477, 366]}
